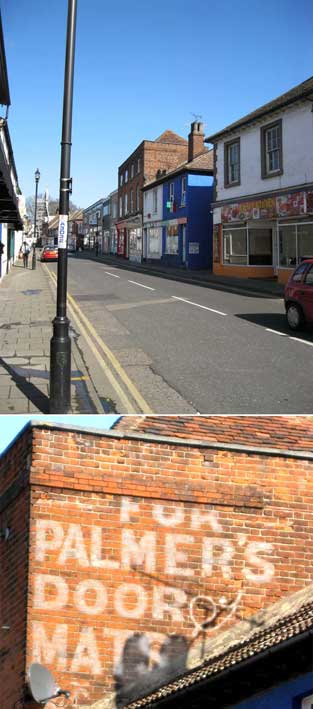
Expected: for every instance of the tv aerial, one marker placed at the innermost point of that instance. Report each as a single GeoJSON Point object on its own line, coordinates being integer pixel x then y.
{"type": "Point", "coordinates": [42, 685]}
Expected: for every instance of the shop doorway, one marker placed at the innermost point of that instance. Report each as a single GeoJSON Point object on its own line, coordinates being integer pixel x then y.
{"type": "Point", "coordinates": [260, 246]}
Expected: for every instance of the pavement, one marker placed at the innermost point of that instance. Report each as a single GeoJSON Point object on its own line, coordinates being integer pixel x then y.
{"type": "Point", "coordinates": [268, 287]}
{"type": "Point", "coordinates": [27, 307]}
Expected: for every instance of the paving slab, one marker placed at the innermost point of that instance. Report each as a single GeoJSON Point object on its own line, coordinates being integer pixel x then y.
{"type": "Point", "coordinates": [27, 308]}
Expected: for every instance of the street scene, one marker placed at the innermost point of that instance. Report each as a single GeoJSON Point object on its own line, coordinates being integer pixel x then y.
{"type": "Point", "coordinates": [148, 343]}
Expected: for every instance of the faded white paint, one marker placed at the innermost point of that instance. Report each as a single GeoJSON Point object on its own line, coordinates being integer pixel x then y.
{"type": "Point", "coordinates": [297, 144]}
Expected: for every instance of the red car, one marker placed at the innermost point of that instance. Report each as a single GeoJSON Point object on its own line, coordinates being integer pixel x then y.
{"type": "Point", "coordinates": [299, 295]}
{"type": "Point", "coordinates": [50, 253]}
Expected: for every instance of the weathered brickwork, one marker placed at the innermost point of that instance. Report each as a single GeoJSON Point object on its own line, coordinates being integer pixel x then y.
{"type": "Point", "coordinates": [136, 539]}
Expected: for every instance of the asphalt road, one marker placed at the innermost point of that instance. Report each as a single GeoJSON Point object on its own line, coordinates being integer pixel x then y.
{"type": "Point", "coordinates": [190, 349]}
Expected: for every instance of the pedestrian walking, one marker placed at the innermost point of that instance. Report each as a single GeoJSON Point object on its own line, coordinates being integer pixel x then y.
{"type": "Point", "coordinates": [25, 252]}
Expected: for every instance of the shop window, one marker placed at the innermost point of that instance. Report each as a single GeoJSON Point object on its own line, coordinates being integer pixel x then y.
{"type": "Point", "coordinates": [260, 247]}
{"type": "Point", "coordinates": [171, 246]}
{"type": "Point", "coordinates": [232, 163]}
{"type": "Point", "coordinates": [235, 246]}
{"type": "Point", "coordinates": [154, 241]}
{"type": "Point", "coordinates": [305, 241]}
{"type": "Point", "coordinates": [287, 246]}
{"type": "Point", "coordinates": [271, 150]}
{"type": "Point", "coordinates": [295, 243]}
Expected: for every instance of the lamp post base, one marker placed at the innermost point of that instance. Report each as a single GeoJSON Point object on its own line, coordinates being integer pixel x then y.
{"type": "Point", "coordinates": [60, 367]}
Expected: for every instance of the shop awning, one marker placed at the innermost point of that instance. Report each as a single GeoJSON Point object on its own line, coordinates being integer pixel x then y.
{"type": "Point", "coordinates": [9, 189]}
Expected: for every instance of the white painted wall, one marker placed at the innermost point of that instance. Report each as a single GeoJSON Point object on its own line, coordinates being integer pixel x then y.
{"type": "Point", "coordinates": [297, 133]}
{"type": "Point", "coordinates": [148, 205]}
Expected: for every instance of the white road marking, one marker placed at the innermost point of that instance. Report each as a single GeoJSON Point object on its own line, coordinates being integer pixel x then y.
{"type": "Point", "coordinates": [198, 305]}
{"type": "Point", "coordinates": [141, 285]}
{"type": "Point", "coordinates": [276, 332]}
{"type": "Point", "coordinates": [111, 274]}
{"type": "Point", "coordinates": [298, 339]}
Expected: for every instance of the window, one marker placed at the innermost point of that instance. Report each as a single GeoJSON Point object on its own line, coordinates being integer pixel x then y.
{"type": "Point", "coordinates": [132, 171]}
{"type": "Point", "coordinates": [131, 201]}
{"type": "Point", "coordinates": [121, 207]}
{"type": "Point", "coordinates": [137, 199]}
{"type": "Point", "coordinates": [138, 165]}
{"type": "Point", "coordinates": [106, 209]}
{"type": "Point", "coordinates": [235, 246]}
{"type": "Point", "coordinates": [114, 210]}
{"type": "Point", "coordinates": [271, 149]}
{"type": "Point", "coordinates": [125, 203]}
{"type": "Point", "coordinates": [309, 277]}
{"type": "Point", "coordinates": [171, 246]}
{"type": "Point", "coordinates": [297, 276]}
{"type": "Point", "coordinates": [295, 243]}
{"type": "Point", "coordinates": [260, 247]}
{"type": "Point", "coordinates": [126, 176]}
{"type": "Point", "coordinates": [155, 201]}
{"type": "Point", "coordinates": [171, 191]}
{"type": "Point", "coordinates": [307, 702]}
{"type": "Point", "coordinates": [183, 190]}
{"type": "Point", "coordinates": [232, 163]}
{"type": "Point", "coordinates": [121, 179]}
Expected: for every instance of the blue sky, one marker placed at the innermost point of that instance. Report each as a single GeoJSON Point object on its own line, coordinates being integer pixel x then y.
{"type": "Point", "coordinates": [142, 68]}
{"type": "Point", "coordinates": [10, 426]}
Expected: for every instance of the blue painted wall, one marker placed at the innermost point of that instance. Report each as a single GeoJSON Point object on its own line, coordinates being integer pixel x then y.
{"type": "Point", "coordinates": [286, 696]}
{"type": "Point", "coordinates": [199, 194]}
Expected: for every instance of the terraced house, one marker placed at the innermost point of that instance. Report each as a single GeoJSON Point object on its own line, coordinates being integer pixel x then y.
{"type": "Point", "coordinates": [263, 205]}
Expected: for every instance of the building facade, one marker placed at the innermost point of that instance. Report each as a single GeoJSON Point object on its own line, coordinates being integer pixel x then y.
{"type": "Point", "coordinates": [177, 209]}
{"type": "Point", "coordinates": [113, 541]}
{"type": "Point", "coordinates": [109, 239]}
{"type": "Point", "coordinates": [166, 152]}
{"type": "Point", "coordinates": [92, 226]}
{"type": "Point", "coordinates": [12, 203]}
{"type": "Point", "coordinates": [263, 206]}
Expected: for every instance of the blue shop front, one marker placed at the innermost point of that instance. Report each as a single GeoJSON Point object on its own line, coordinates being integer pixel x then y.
{"type": "Point", "coordinates": [187, 221]}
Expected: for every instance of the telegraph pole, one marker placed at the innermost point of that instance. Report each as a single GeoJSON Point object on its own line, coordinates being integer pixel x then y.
{"type": "Point", "coordinates": [60, 345]}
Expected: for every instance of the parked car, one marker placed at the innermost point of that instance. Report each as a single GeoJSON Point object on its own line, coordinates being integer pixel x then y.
{"type": "Point", "coordinates": [50, 253]}
{"type": "Point", "coordinates": [299, 296]}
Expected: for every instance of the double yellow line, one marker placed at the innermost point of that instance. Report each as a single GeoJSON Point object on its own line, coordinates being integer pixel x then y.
{"type": "Point", "coordinates": [107, 360]}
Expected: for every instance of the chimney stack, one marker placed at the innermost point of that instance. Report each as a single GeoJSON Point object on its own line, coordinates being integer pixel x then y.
{"type": "Point", "coordinates": [196, 141]}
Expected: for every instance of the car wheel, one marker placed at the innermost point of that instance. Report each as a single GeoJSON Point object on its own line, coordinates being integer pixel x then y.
{"type": "Point", "coordinates": [295, 318]}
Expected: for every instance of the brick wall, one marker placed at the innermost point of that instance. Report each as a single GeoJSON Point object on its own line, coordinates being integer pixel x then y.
{"type": "Point", "coordinates": [14, 515]}
{"type": "Point", "coordinates": [135, 543]}
{"type": "Point", "coordinates": [153, 155]}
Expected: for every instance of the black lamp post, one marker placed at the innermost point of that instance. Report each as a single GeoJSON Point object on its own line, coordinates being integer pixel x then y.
{"type": "Point", "coordinates": [60, 346]}
{"type": "Point", "coordinates": [37, 178]}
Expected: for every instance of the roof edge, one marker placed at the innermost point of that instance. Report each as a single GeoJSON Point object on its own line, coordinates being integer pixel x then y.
{"type": "Point", "coordinates": [172, 440]}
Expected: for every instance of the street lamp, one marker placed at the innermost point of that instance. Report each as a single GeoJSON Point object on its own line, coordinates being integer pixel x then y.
{"type": "Point", "coordinates": [60, 345]}
{"type": "Point", "coordinates": [37, 178]}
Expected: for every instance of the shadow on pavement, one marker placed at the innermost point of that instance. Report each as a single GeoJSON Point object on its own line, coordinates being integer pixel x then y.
{"type": "Point", "coordinates": [29, 390]}
{"type": "Point", "coordinates": [276, 321]}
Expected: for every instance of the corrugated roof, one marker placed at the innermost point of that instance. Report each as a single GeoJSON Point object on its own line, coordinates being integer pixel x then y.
{"type": "Point", "coordinates": [297, 92]}
{"type": "Point", "coordinates": [281, 432]}
{"type": "Point", "coordinates": [266, 629]}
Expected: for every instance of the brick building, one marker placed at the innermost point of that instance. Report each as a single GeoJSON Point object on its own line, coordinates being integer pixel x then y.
{"type": "Point", "coordinates": [125, 553]}
{"type": "Point", "coordinates": [164, 153]}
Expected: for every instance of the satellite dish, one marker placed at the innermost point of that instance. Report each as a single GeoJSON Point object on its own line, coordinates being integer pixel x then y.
{"type": "Point", "coordinates": [42, 685]}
